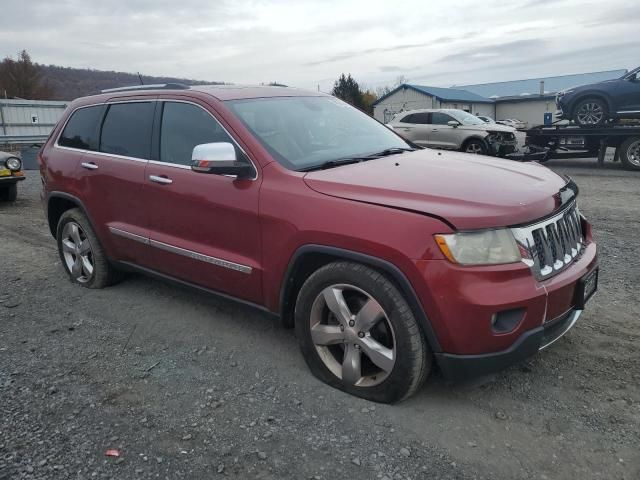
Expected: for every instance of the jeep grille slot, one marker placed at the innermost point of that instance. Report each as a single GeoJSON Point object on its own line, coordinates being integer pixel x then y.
{"type": "Point", "coordinates": [553, 244]}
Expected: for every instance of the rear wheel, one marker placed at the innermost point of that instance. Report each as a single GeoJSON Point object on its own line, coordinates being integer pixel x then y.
{"type": "Point", "coordinates": [475, 146]}
{"type": "Point", "coordinates": [9, 193]}
{"type": "Point", "coordinates": [81, 253]}
{"type": "Point", "coordinates": [591, 111]}
{"type": "Point", "coordinates": [630, 153]}
{"type": "Point", "coordinates": [358, 334]}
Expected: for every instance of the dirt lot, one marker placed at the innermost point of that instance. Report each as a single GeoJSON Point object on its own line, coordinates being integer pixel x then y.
{"type": "Point", "coordinates": [188, 386]}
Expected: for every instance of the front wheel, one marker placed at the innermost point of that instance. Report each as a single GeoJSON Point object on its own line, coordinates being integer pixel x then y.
{"type": "Point", "coordinates": [630, 153]}
{"type": "Point", "coordinates": [475, 146]}
{"type": "Point", "coordinates": [358, 334]}
{"type": "Point", "coordinates": [591, 112]}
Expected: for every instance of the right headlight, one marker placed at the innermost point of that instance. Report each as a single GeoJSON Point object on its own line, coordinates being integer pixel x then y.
{"type": "Point", "coordinates": [13, 163]}
{"type": "Point", "coordinates": [485, 247]}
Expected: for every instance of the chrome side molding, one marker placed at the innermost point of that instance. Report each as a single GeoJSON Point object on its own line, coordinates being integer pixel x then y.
{"type": "Point", "coordinates": [219, 262]}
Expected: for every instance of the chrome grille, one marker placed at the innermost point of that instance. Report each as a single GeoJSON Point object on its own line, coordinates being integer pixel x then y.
{"type": "Point", "coordinates": [551, 245]}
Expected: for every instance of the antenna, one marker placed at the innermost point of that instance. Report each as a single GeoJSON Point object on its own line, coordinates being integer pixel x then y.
{"type": "Point", "coordinates": [140, 77]}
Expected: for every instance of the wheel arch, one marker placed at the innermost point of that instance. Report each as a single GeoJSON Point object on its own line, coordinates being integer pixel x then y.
{"type": "Point", "coordinates": [591, 94]}
{"type": "Point", "coordinates": [57, 204]}
{"type": "Point", "coordinates": [474, 137]}
{"type": "Point", "coordinates": [308, 258]}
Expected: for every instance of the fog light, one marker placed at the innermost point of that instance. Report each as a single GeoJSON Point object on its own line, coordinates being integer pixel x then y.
{"type": "Point", "coordinates": [507, 320]}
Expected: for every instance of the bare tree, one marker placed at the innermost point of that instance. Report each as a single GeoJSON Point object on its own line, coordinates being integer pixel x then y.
{"type": "Point", "coordinates": [384, 90]}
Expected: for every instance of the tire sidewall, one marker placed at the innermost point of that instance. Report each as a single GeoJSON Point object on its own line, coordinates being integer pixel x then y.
{"type": "Point", "coordinates": [483, 147]}
{"type": "Point", "coordinates": [602, 103]}
{"type": "Point", "coordinates": [396, 386]}
{"type": "Point", "coordinates": [76, 216]}
{"type": "Point", "coordinates": [624, 153]}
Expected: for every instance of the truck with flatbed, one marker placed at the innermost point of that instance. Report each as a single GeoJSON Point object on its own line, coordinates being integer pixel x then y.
{"type": "Point", "coordinates": [546, 142]}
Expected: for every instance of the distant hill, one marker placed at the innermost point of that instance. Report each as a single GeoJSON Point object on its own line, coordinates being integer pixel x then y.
{"type": "Point", "coordinates": [69, 83]}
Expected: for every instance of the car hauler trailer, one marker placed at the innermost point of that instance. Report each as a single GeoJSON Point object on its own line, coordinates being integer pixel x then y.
{"type": "Point", "coordinates": [568, 141]}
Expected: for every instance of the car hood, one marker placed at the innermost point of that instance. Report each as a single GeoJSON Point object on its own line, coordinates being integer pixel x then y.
{"type": "Point", "coordinates": [589, 86]}
{"type": "Point", "coordinates": [467, 191]}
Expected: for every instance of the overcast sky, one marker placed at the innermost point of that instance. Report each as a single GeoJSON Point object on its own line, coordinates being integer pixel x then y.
{"type": "Point", "coordinates": [306, 43]}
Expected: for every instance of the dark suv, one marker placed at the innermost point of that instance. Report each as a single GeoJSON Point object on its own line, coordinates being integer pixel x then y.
{"type": "Point", "coordinates": [386, 260]}
{"type": "Point", "coordinates": [597, 103]}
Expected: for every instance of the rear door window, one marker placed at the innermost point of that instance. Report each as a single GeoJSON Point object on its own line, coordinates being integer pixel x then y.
{"type": "Point", "coordinates": [126, 129]}
{"type": "Point", "coordinates": [81, 131]}
{"type": "Point", "coordinates": [416, 118]}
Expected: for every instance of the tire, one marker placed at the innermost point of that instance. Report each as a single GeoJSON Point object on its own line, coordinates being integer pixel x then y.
{"type": "Point", "coordinates": [630, 153]}
{"type": "Point", "coordinates": [9, 193]}
{"type": "Point", "coordinates": [475, 146]}
{"type": "Point", "coordinates": [591, 112]}
{"type": "Point", "coordinates": [81, 254]}
{"type": "Point", "coordinates": [378, 324]}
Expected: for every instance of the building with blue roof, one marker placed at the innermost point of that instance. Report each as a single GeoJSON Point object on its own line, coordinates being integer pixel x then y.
{"type": "Point", "coordinates": [527, 100]}
{"type": "Point", "coordinates": [412, 97]}
{"type": "Point", "coordinates": [539, 86]}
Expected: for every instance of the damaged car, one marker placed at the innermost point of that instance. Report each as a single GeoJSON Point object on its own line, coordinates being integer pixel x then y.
{"type": "Point", "coordinates": [452, 129]}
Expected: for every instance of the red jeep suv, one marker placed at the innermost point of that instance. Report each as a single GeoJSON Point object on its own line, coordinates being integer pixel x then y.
{"type": "Point", "coordinates": [387, 259]}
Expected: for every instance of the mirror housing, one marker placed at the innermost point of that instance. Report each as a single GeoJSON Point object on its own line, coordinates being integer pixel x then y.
{"type": "Point", "coordinates": [220, 159]}
{"type": "Point", "coordinates": [453, 123]}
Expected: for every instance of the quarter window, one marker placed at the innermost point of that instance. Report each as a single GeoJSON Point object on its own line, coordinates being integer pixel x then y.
{"type": "Point", "coordinates": [81, 130]}
{"type": "Point", "coordinates": [127, 129]}
{"type": "Point", "coordinates": [183, 127]}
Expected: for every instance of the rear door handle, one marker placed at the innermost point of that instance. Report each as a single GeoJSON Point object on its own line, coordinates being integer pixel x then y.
{"type": "Point", "coordinates": [161, 180]}
{"type": "Point", "coordinates": [89, 165]}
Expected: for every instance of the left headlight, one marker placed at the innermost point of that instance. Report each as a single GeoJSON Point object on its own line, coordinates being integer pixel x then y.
{"type": "Point", "coordinates": [13, 163]}
{"type": "Point", "coordinates": [563, 93]}
{"type": "Point", "coordinates": [486, 247]}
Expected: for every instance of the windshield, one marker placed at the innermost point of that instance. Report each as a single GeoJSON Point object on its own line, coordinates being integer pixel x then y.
{"type": "Point", "coordinates": [632, 73]}
{"type": "Point", "coordinates": [302, 132]}
{"type": "Point", "coordinates": [465, 118]}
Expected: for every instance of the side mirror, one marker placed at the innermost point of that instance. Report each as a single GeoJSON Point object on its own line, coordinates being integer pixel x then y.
{"type": "Point", "coordinates": [219, 159]}
{"type": "Point", "coordinates": [453, 123]}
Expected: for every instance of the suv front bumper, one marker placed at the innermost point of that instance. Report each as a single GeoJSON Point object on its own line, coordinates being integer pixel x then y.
{"type": "Point", "coordinates": [460, 367]}
{"type": "Point", "coordinates": [489, 317]}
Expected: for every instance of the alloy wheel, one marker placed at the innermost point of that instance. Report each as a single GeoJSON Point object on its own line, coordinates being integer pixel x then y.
{"type": "Point", "coordinates": [353, 335]}
{"type": "Point", "coordinates": [474, 147]}
{"type": "Point", "coordinates": [77, 253]}
{"type": "Point", "coordinates": [590, 113]}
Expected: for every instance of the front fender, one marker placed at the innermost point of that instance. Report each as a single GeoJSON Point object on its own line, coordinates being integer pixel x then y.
{"type": "Point", "coordinates": [289, 282]}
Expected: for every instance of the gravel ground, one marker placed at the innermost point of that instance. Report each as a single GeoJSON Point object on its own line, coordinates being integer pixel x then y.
{"type": "Point", "coordinates": [184, 385]}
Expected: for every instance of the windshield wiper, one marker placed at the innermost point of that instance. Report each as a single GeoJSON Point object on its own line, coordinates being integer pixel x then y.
{"type": "Point", "coordinates": [348, 160]}
{"type": "Point", "coordinates": [390, 151]}
{"type": "Point", "coordinates": [334, 163]}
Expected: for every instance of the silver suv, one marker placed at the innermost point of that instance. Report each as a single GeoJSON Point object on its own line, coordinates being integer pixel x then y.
{"type": "Point", "coordinates": [454, 130]}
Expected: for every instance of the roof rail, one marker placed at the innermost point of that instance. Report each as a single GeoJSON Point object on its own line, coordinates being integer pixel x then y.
{"type": "Point", "coordinates": [159, 86]}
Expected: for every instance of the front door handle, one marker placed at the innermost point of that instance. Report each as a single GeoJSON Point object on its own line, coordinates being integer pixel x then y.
{"type": "Point", "coordinates": [89, 165]}
{"type": "Point", "coordinates": [160, 179]}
